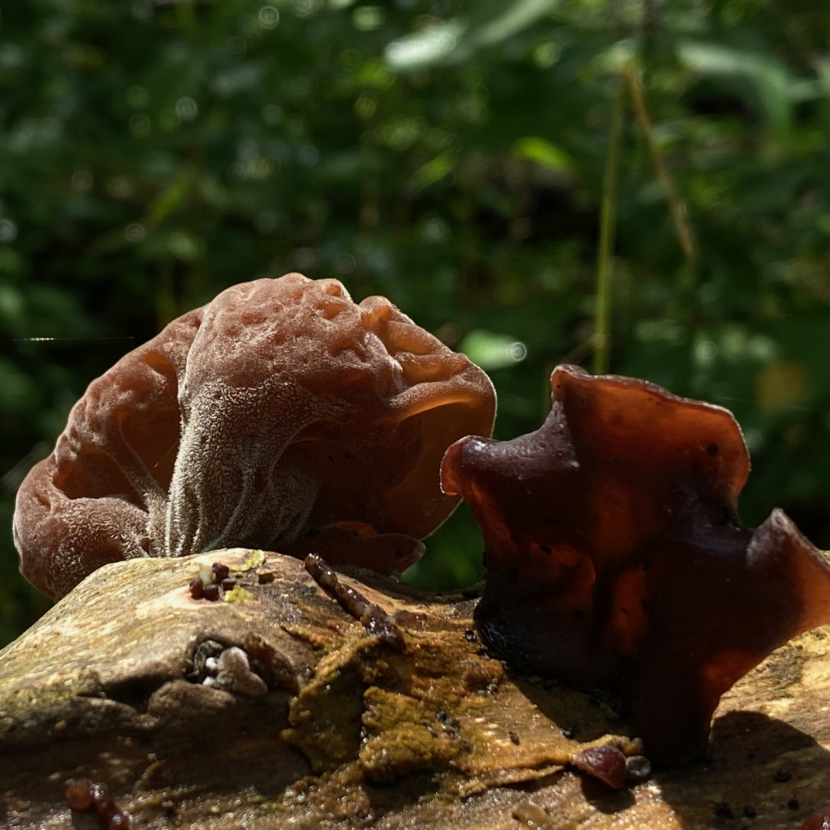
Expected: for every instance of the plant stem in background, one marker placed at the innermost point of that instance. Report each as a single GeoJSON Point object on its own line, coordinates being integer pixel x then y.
{"type": "Point", "coordinates": [678, 211]}
{"type": "Point", "coordinates": [608, 222]}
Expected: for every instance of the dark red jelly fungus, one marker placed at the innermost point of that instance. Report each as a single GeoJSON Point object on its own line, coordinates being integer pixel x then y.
{"type": "Point", "coordinates": [104, 805]}
{"type": "Point", "coordinates": [820, 820]}
{"type": "Point", "coordinates": [197, 588]}
{"type": "Point", "coordinates": [78, 794]}
{"type": "Point", "coordinates": [616, 560]}
{"type": "Point", "coordinates": [607, 763]}
{"type": "Point", "coordinates": [83, 794]}
{"type": "Point", "coordinates": [219, 578]}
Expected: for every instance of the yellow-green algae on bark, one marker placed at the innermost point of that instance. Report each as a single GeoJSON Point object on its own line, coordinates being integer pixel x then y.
{"type": "Point", "coordinates": [441, 704]}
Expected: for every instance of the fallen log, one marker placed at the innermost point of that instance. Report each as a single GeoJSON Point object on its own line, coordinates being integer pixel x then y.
{"type": "Point", "coordinates": [274, 707]}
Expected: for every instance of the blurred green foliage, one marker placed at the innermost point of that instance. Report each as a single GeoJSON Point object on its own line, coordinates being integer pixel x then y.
{"type": "Point", "coordinates": [449, 154]}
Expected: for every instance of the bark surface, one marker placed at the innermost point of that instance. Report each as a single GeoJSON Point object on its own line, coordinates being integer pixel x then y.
{"type": "Point", "coordinates": [325, 723]}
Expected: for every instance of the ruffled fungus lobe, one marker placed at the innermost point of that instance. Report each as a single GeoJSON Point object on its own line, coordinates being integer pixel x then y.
{"type": "Point", "coordinates": [615, 558]}
{"type": "Point", "coordinates": [281, 416]}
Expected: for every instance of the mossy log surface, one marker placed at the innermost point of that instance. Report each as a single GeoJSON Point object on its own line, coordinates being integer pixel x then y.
{"type": "Point", "coordinates": [353, 732]}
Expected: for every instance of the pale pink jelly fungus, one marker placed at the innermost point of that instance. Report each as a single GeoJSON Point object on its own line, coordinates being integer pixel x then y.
{"type": "Point", "coordinates": [281, 416]}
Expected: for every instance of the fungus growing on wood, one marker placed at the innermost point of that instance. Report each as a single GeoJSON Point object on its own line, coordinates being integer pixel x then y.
{"type": "Point", "coordinates": [83, 795]}
{"type": "Point", "coordinates": [615, 558]}
{"type": "Point", "coordinates": [820, 820]}
{"type": "Point", "coordinates": [281, 415]}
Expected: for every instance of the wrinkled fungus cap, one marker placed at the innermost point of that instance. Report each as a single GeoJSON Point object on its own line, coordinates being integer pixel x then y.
{"type": "Point", "coordinates": [615, 558]}
{"type": "Point", "coordinates": [101, 495]}
{"type": "Point", "coordinates": [281, 416]}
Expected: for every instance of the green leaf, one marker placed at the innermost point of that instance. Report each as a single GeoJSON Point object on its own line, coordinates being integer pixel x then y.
{"type": "Point", "coordinates": [434, 170]}
{"type": "Point", "coordinates": [775, 87]}
{"type": "Point", "coordinates": [432, 45]}
{"type": "Point", "coordinates": [164, 204]}
{"type": "Point", "coordinates": [490, 350]}
{"type": "Point", "coordinates": [456, 40]}
{"type": "Point", "coordinates": [543, 152]}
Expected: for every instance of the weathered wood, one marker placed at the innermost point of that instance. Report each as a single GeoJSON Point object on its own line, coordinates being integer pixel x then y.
{"type": "Point", "coordinates": [352, 731]}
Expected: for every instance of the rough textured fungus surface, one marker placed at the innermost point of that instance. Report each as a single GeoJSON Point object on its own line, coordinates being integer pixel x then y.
{"type": "Point", "coordinates": [281, 415]}
{"type": "Point", "coordinates": [615, 558]}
